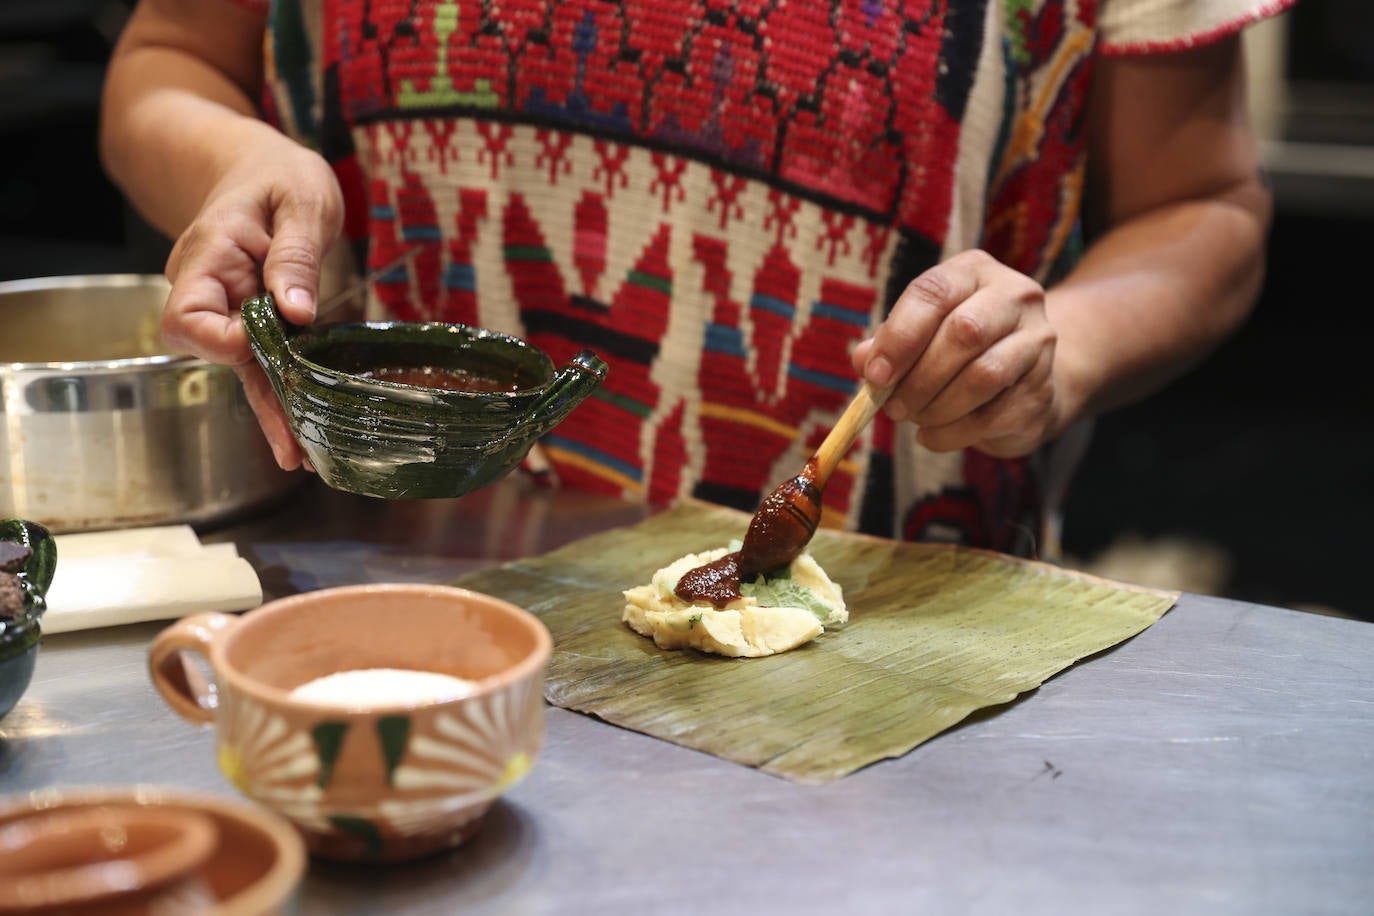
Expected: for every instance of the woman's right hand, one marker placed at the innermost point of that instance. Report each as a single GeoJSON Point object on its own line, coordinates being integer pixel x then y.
{"type": "Point", "coordinates": [265, 225]}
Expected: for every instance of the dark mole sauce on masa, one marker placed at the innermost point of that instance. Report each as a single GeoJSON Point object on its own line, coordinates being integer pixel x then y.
{"type": "Point", "coordinates": [432, 377]}
{"type": "Point", "coordinates": [772, 539]}
{"type": "Point", "coordinates": [716, 582]}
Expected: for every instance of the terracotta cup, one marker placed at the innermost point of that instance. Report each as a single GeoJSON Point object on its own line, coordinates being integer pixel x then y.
{"type": "Point", "coordinates": [144, 850]}
{"type": "Point", "coordinates": [366, 782]}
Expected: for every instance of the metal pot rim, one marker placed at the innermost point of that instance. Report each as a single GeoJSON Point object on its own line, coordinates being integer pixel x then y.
{"type": "Point", "coordinates": [77, 281]}
{"type": "Point", "coordinates": [103, 366]}
{"type": "Point", "coordinates": [100, 366]}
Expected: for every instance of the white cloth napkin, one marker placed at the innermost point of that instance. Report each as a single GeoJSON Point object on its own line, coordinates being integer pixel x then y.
{"type": "Point", "coordinates": [107, 578]}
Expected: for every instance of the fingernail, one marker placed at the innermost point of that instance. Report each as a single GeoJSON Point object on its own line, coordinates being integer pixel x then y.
{"type": "Point", "coordinates": [878, 371]}
{"type": "Point", "coordinates": [300, 298]}
{"type": "Point", "coordinates": [896, 410]}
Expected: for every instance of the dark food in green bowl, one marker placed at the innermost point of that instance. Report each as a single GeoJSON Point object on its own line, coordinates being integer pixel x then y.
{"type": "Point", "coordinates": [28, 559]}
{"type": "Point", "coordinates": [410, 410]}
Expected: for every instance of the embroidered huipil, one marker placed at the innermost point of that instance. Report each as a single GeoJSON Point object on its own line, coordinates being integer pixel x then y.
{"type": "Point", "coordinates": [720, 199]}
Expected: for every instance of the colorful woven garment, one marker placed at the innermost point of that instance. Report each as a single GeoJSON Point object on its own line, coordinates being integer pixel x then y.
{"type": "Point", "coordinates": [720, 199]}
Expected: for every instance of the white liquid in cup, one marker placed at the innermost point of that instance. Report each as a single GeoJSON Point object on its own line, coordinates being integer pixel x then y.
{"type": "Point", "coordinates": [362, 688]}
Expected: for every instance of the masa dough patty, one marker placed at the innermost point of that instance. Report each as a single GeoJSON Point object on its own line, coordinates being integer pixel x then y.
{"type": "Point", "coordinates": [744, 627]}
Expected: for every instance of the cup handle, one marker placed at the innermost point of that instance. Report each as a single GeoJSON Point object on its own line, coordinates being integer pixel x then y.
{"type": "Point", "coordinates": [266, 335]}
{"type": "Point", "coordinates": [189, 695]}
{"type": "Point", "coordinates": [570, 386]}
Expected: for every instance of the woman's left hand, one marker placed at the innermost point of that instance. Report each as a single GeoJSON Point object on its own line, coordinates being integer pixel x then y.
{"type": "Point", "coordinates": [973, 349]}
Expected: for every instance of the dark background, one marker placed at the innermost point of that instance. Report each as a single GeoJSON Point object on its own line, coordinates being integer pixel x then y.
{"type": "Point", "coordinates": [1264, 451]}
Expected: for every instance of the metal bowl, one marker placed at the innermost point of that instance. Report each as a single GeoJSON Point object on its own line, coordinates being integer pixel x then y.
{"type": "Point", "coordinates": [100, 427]}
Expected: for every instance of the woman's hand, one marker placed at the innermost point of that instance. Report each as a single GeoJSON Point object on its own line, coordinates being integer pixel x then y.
{"type": "Point", "coordinates": [970, 342]}
{"type": "Point", "coordinates": [1176, 216]}
{"type": "Point", "coordinates": [278, 206]}
{"type": "Point", "coordinates": [251, 210]}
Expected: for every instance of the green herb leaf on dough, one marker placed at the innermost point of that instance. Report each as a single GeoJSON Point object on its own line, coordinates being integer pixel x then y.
{"type": "Point", "coordinates": [783, 592]}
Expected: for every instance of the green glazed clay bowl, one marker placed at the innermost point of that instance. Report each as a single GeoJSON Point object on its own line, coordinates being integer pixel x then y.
{"type": "Point", "coordinates": [350, 394]}
{"type": "Point", "coordinates": [20, 610]}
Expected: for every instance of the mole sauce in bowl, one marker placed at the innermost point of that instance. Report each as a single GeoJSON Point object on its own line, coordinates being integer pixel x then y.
{"type": "Point", "coordinates": [435, 377]}
{"type": "Point", "coordinates": [419, 356]}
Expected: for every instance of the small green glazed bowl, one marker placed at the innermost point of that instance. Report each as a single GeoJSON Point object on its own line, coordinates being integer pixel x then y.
{"type": "Point", "coordinates": [20, 634]}
{"type": "Point", "coordinates": [393, 440]}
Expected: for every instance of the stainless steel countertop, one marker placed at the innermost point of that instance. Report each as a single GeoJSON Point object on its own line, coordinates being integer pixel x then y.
{"type": "Point", "coordinates": [1220, 762]}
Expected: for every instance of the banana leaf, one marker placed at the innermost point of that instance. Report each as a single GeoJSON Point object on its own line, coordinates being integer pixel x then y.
{"type": "Point", "coordinates": [935, 633]}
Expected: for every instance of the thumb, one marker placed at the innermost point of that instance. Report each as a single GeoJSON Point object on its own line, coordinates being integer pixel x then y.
{"type": "Point", "coordinates": [302, 232]}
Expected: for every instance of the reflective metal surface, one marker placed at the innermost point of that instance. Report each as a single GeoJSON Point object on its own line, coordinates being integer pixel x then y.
{"type": "Point", "coordinates": [101, 428]}
{"type": "Point", "coordinates": [1218, 763]}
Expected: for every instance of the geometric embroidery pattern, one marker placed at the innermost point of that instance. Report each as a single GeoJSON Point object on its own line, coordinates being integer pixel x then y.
{"type": "Point", "coordinates": [720, 198]}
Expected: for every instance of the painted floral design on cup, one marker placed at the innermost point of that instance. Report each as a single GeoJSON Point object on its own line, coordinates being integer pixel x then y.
{"type": "Point", "coordinates": [466, 759]}
{"type": "Point", "coordinates": [269, 760]}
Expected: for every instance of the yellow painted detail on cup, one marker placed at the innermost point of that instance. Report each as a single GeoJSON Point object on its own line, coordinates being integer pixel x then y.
{"type": "Point", "coordinates": [516, 768]}
{"type": "Point", "coordinates": [231, 765]}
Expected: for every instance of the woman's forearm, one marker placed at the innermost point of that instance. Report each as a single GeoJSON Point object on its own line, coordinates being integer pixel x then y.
{"type": "Point", "coordinates": [1154, 295]}
{"type": "Point", "coordinates": [1178, 217]}
{"type": "Point", "coordinates": [170, 150]}
{"type": "Point", "coordinates": [172, 118]}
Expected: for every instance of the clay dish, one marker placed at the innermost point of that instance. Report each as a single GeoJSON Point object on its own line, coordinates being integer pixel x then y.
{"type": "Point", "coordinates": [143, 850]}
{"type": "Point", "coordinates": [30, 549]}
{"type": "Point", "coordinates": [354, 397]}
